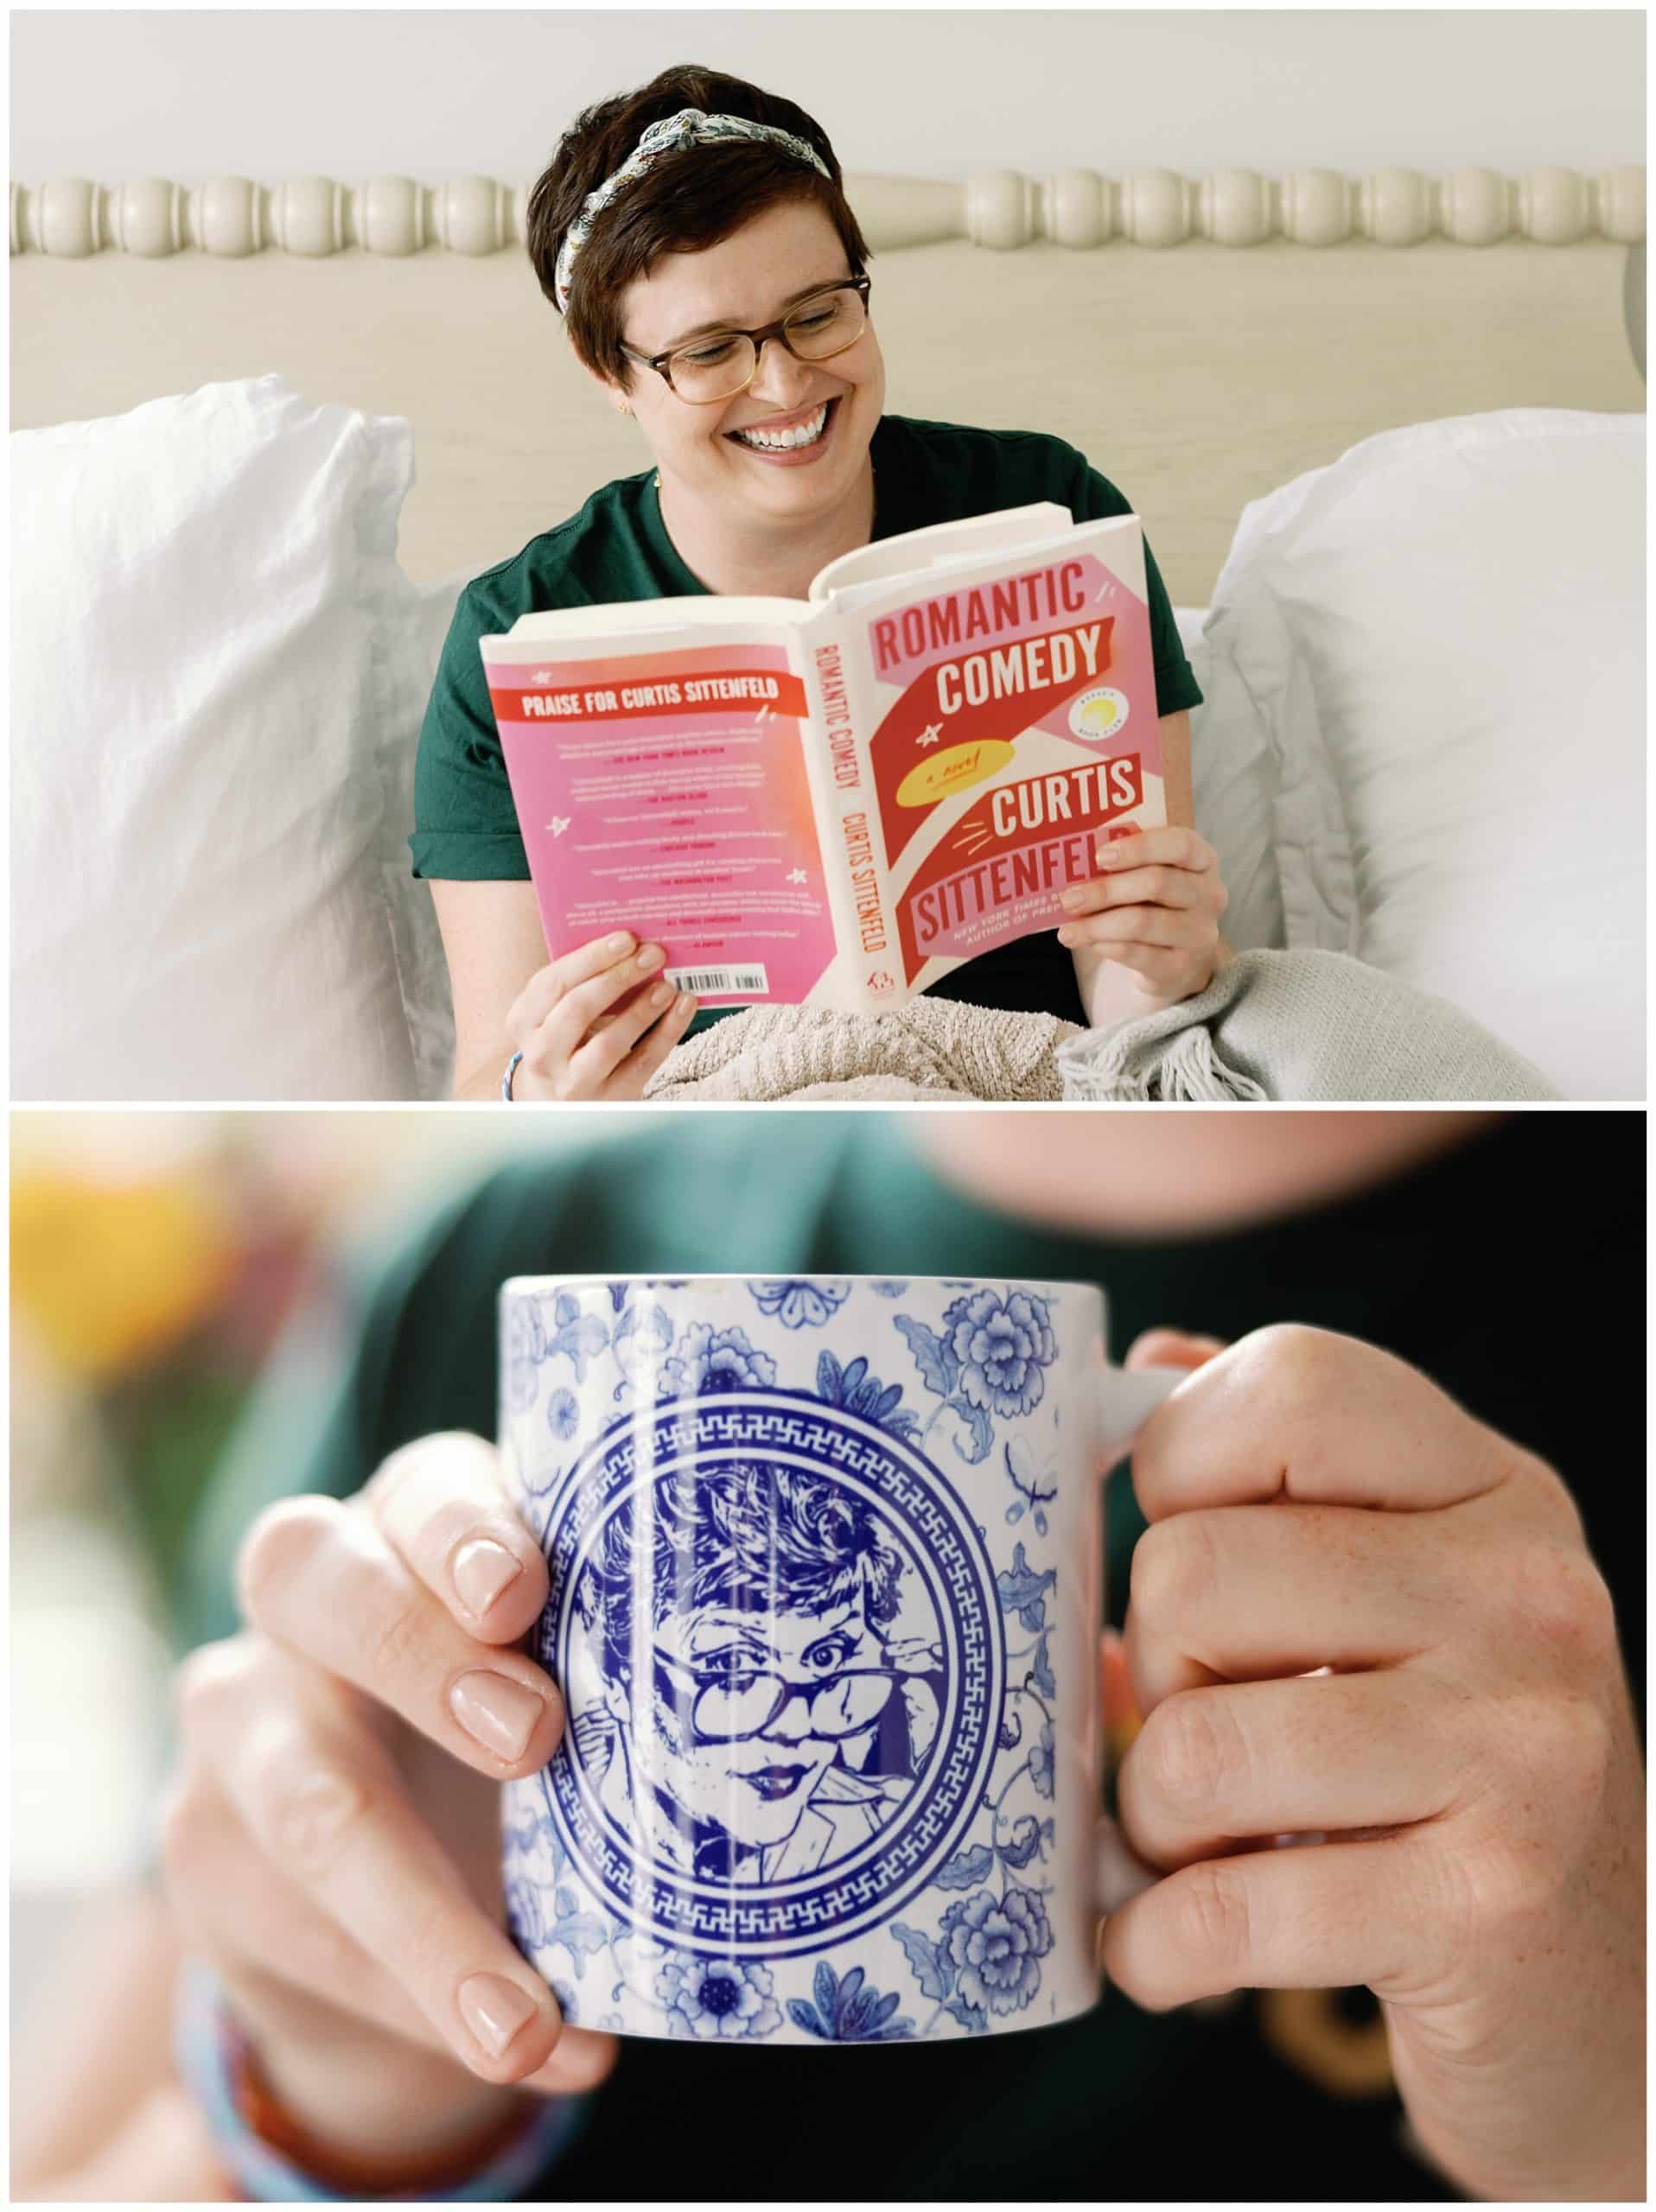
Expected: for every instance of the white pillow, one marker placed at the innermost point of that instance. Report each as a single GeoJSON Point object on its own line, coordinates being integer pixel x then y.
{"type": "Point", "coordinates": [1231, 784]}
{"type": "Point", "coordinates": [212, 674]}
{"type": "Point", "coordinates": [1438, 643]}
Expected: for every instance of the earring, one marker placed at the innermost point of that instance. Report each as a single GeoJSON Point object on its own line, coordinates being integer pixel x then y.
{"type": "Point", "coordinates": [624, 409]}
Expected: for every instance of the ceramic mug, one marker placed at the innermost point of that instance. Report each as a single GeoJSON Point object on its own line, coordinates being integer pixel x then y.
{"type": "Point", "coordinates": [826, 1559]}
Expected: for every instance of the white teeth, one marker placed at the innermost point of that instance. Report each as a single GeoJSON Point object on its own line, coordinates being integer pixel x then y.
{"type": "Point", "coordinates": [780, 441]}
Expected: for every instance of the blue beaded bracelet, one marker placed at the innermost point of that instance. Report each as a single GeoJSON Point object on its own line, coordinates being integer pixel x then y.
{"type": "Point", "coordinates": [512, 1067]}
{"type": "Point", "coordinates": [207, 2040]}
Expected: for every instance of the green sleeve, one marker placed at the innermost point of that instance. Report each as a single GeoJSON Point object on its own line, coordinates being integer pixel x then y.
{"type": "Point", "coordinates": [1095, 499]}
{"type": "Point", "coordinates": [465, 824]}
{"type": "Point", "coordinates": [418, 1336]}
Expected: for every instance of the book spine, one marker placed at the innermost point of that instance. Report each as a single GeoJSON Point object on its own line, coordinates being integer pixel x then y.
{"type": "Point", "coordinates": [869, 969]}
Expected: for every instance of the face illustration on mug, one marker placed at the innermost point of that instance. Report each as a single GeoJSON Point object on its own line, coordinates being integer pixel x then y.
{"type": "Point", "coordinates": [756, 1716]}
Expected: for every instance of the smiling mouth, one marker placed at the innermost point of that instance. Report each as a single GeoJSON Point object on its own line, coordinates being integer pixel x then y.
{"type": "Point", "coordinates": [827, 409]}
{"type": "Point", "coordinates": [773, 1781]}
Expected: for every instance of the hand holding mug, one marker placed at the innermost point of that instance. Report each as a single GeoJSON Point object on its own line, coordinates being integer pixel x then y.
{"type": "Point", "coordinates": [331, 1841]}
{"type": "Point", "coordinates": [1466, 1780]}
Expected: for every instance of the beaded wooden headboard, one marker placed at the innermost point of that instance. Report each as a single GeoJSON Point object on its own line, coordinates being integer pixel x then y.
{"type": "Point", "coordinates": [1201, 339]}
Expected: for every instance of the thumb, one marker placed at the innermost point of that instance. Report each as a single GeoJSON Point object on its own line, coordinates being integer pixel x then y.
{"type": "Point", "coordinates": [1173, 1348]}
{"type": "Point", "coordinates": [164, 2155]}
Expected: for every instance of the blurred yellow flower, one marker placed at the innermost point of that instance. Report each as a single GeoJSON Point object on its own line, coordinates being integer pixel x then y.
{"type": "Point", "coordinates": [110, 1272]}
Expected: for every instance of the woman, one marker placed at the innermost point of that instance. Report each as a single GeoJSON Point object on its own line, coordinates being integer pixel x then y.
{"type": "Point", "coordinates": [332, 1842]}
{"type": "Point", "coordinates": [729, 218]}
{"type": "Point", "coordinates": [769, 1592]}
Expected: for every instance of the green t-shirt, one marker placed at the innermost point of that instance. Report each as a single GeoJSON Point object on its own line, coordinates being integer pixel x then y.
{"type": "Point", "coordinates": [1445, 1266]}
{"type": "Point", "coordinates": [617, 548]}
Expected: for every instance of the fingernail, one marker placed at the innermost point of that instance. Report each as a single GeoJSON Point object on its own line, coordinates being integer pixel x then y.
{"type": "Point", "coordinates": [661, 993]}
{"type": "Point", "coordinates": [495, 2009]}
{"type": "Point", "coordinates": [622, 942]}
{"type": "Point", "coordinates": [496, 1713]}
{"type": "Point", "coordinates": [482, 1570]}
{"type": "Point", "coordinates": [1072, 899]}
{"type": "Point", "coordinates": [1066, 936]}
{"type": "Point", "coordinates": [651, 956]}
{"type": "Point", "coordinates": [1111, 856]}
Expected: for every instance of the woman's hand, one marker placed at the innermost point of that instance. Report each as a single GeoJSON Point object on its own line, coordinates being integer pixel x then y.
{"type": "Point", "coordinates": [1464, 1785]}
{"type": "Point", "coordinates": [1153, 910]}
{"type": "Point", "coordinates": [592, 1025]}
{"type": "Point", "coordinates": [332, 1844]}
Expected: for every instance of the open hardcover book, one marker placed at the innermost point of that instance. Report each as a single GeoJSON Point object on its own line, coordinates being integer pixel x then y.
{"type": "Point", "coordinates": [834, 801]}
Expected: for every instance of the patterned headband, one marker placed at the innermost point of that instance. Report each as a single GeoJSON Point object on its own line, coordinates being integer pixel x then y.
{"type": "Point", "coordinates": [690, 127]}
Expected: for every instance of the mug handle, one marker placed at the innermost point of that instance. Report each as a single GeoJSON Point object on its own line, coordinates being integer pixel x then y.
{"type": "Point", "coordinates": [1127, 1399]}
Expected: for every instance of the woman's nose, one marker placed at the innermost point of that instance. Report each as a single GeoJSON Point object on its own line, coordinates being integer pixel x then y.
{"type": "Point", "coordinates": [779, 377]}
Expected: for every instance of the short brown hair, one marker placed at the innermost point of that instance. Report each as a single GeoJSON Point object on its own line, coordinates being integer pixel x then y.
{"type": "Point", "coordinates": [694, 197]}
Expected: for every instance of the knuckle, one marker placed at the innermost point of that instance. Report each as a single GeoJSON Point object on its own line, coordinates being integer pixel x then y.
{"type": "Point", "coordinates": [1221, 897]}
{"type": "Point", "coordinates": [1568, 1745]}
{"type": "Point", "coordinates": [399, 1645]}
{"type": "Point", "coordinates": [1291, 1363]}
{"type": "Point", "coordinates": [181, 1834]}
{"type": "Point", "coordinates": [1175, 1570]}
{"type": "Point", "coordinates": [309, 1811]}
{"type": "Point", "coordinates": [1558, 1598]}
{"type": "Point", "coordinates": [205, 1677]}
{"type": "Point", "coordinates": [1209, 1918]}
{"type": "Point", "coordinates": [281, 1544]}
{"type": "Point", "coordinates": [1194, 1755]}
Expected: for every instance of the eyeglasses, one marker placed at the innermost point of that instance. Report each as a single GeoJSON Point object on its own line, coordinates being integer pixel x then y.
{"type": "Point", "coordinates": [728, 1709]}
{"type": "Point", "coordinates": [726, 362]}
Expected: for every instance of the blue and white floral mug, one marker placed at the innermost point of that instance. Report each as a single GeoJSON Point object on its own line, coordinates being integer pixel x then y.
{"type": "Point", "coordinates": [826, 1559]}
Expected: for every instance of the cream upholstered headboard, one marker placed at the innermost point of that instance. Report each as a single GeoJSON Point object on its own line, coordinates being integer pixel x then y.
{"type": "Point", "coordinates": [1201, 341]}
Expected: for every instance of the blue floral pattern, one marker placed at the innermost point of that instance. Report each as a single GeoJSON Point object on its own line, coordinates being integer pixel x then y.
{"type": "Point", "coordinates": [1003, 1346]}
{"type": "Point", "coordinates": [721, 1361]}
{"type": "Point", "coordinates": [856, 1391]}
{"type": "Point", "coordinates": [796, 1302]}
{"type": "Point", "coordinates": [849, 2011]}
{"type": "Point", "coordinates": [563, 1414]}
{"type": "Point", "coordinates": [717, 2000]}
{"type": "Point", "coordinates": [994, 1946]}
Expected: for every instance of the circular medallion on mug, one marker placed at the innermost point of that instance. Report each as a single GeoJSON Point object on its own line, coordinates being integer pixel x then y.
{"type": "Point", "coordinates": [779, 1638]}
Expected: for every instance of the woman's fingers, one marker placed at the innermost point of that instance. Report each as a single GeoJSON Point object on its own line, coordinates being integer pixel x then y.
{"type": "Point", "coordinates": [1214, 1768]}
{"type": "Point", "coordinates": [553, 982]}
{"type": "Point", "coordinates": [321, 1798]}
{"type": "Point", "coordinates": [1168, 927]}
{"type": "Point", "coordinates": [1147, 888]}
{"type": "Point", "coordinates": [320, 1580]}
{"type": "Point", "coordinates": [1166, 846]}
{"type": "Point", "coordinates": [440, 1504]}
{"type": "Point", "coordinates": [1316, 1916]}
{"type": "Point", "coordinates": [602, 1057]}
{"type": "Point", "coordinates": [644, 1059]}
{"type": "Point", "coordinates": [1369, 1589]}
{"type": "Point", "coordinates": [214, 1865]}
{"type": "Point", "coordinates": [560, 1035]}
{"type": "Point", "coordinates": [1302, 1413]}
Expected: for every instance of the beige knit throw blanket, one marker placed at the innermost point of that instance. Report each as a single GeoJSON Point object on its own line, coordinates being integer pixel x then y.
{"type": "Point", "coordinates": [933, 1048]}
{"type": "Point", "coordinates": [1303, 1026]}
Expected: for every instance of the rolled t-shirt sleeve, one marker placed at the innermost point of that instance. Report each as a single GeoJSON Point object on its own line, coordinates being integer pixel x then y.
{"type": "Point", "coordinates": [1095, 499]}
{"type": "Point", "coordinates": [465, 824]}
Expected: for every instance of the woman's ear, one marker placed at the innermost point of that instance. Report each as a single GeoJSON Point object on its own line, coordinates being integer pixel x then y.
{"type": "Point", "coordinates": [614, 395]}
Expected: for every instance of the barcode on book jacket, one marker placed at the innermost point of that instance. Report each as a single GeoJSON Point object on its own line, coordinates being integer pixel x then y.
{"type": "Point", "coordinates": [719, 979]}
